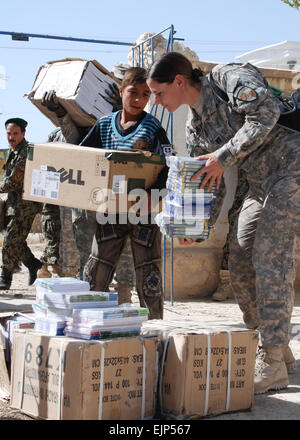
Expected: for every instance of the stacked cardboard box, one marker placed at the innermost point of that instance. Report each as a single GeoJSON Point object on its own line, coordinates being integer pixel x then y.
{"type": "Point", "coordinates": [204, 371]}
{"type": "Point", "coordinates": [198, 372]}
{"type": "Point", "coordinates": [64, 378]}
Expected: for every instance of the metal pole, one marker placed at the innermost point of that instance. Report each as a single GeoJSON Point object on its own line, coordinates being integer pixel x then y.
{"type": "Point", "coordinates": [171, 131]}
{"type": "Point", "coordinates": [25, 36]}
{"type": "Point", "coordinates": [164, 266]}
{"type": "Point", "coordinates": [172, 267]}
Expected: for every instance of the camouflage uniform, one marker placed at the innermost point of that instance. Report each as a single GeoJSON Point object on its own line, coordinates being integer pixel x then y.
{"type": "Point", "coordinates": [240, 193]}
{"type": "Point", "coordinates": [244, 133]}
{"type": "Point", "coordinates": [58, 239]}
{"type": "Point", "coordinates": [84, 225]}
{"type": "Point", "coordinates": [19, 213]}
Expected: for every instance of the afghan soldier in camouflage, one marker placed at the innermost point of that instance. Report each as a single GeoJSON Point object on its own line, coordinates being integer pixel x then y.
{"type": "Point", "coordinates": [19, 213]}
{"type": "Point", "coordinates": [60, 250]}
{"type": "Point", "coordinates": [244, 132]}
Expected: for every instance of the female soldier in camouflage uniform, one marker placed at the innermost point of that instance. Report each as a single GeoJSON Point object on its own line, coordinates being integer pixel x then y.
{"type": "Point", "coordinates": [242, 130]}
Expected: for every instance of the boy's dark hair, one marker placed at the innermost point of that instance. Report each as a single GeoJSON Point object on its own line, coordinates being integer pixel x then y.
{"type": "Point", "coordinates": [134, 75]}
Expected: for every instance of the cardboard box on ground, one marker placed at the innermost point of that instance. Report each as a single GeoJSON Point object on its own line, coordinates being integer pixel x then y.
{"type": "Point", "coordinates": [63, 378]}
{"type": "Point", "coordinates": [79, 85]}
{"type": "Point", "coordinates": [88, 178]}
{"type": "Point", "coordinates": [194, 372]}
{"type": "Point", "coordinates": [205, 371]}
{"type": "Point", "coordinates": [7, 321]}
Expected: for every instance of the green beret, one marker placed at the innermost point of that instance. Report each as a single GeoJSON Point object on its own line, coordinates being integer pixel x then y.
{"type": "Point", "coordinates": [17, 121]}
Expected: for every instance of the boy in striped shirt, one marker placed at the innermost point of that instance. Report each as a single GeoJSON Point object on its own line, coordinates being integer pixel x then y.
{"type": "Point", "coordinates": [130, 129]}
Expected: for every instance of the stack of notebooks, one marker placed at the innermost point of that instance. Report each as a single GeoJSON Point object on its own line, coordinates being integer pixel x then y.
{"type": "Point", "coordinates": [186, 208]}
{"type": "Point", "coordinates": [19, 321]}
{"type": "Point", "coordinates": [181, 169]}
{"type": "Point", "coordinates": [123, 320]}
{"type": "Point", "coordinates": [57, 298]}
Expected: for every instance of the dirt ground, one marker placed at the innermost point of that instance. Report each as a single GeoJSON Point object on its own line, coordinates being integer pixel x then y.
{"type": "Point", "coordinates": [280, 405]}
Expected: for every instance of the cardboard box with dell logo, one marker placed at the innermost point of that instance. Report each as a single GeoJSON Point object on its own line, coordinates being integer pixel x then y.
{"type": "Point", "coordinates": [87, 178]}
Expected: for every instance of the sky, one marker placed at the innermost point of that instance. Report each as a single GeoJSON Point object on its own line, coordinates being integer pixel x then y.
{"type": "Point", "coordinates": [217, 30]}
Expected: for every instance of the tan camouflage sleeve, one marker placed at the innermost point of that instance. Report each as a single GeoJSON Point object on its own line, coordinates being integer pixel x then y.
{"type": "Point", "coordinates": [193, 143]}
{"type": "Point", "coordinates": [250, 96]}
{"type": "Point", "coordinates": [14, 182]}
{"type": "Point", "coordinates": [194, 149]}
{"type": "Point", "coordinates": [69, 129]}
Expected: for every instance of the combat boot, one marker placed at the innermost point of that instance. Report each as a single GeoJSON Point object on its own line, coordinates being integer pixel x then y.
{"type": "Point", "coordinates": [5, 279]}
{"type": "Point", "coordinates": [224, 290]}
{"type": "Point", "coordinates": [270, 370]}
{"type": "Point", "coordinates": [33, 266]}
{"type": "Point", "coordinates": [124, 293]}
{"type": "Point", "coordinates": [289, 359]}
{"type": "Point", "coordinates": [44, 272]}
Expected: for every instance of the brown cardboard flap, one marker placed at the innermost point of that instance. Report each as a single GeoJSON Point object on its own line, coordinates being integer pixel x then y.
{"type": "Point", "coordinates": [137, 157]}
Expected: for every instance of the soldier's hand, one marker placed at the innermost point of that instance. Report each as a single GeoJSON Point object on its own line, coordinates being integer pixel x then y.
{"type": "Point", "coordinates": [213, 171]}
{"type": "Point", "coordinates": [112, 95]}
{"type": "Point", "coordinates": [50, 101]}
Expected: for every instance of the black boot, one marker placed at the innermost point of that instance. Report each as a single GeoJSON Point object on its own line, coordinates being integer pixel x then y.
{"type": "Point", "coordinates": [5, 279]}
{"type": "Point", "coordinates": [33, 268]}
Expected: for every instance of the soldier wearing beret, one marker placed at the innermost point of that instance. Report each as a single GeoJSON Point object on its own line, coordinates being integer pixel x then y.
{"type": "Point", "coordinates": [19, 213]}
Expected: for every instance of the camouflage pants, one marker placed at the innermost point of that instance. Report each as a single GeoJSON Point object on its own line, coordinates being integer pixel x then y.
{"type": "Point", "coordinates": [14, 247]}
{"type": "Point", "coordinates": [84, 226]}
{"type": "Point", "coordinates": [262, 260]}
{"type": "Point", "coordinates": [51, 229]}
{"type": "Point", "coordinates": [69, 257]}
{"type": "Point", "coordinates": [107, 247]}
{"type": "Point", "coordinates": [125, 272]}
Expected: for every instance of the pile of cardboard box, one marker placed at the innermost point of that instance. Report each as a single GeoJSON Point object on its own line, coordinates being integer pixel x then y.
{"type": "Point", "coordinates": [173, 370]}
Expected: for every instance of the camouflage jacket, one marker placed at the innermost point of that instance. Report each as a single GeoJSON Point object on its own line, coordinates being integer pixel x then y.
{"type": "Point", "coordinates": [243, 132]}
{"type": "Point", "coordinates": [68, 131]}
{"type": "Point", "coordinates": [14, 179]}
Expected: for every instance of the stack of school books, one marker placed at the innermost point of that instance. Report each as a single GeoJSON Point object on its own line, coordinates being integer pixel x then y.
{"type": "Point", "coordinates": [18, 321]}
{"type": "Point", "coordinates": [183, 228]}
{"type": "Point", "coordinates": [56, 298]}
{"type": "Point", "coordinates": [123, 320]}
{"type": "Point", "coordinates": [186, 208]}
{"type": "Point", "coordinates": [181, 170]}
